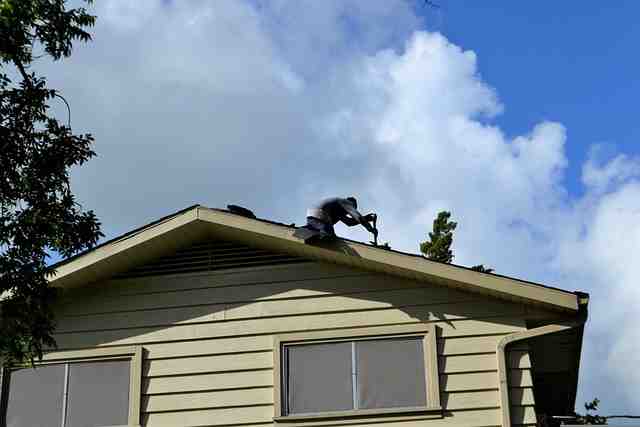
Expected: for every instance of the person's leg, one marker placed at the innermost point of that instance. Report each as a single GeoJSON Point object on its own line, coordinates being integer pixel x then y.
{"type": "Point", "coordinates": [314, 224]}
{"type": "Point", "coordinates": [321, 230]}
{"type": "Point", "coordinates": [328, 230]}
{"type": "Point", "coordinates": [312, 231]}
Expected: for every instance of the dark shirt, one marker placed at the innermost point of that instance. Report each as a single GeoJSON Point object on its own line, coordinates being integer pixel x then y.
{"type": "Point", "coordinates": [335, 210]}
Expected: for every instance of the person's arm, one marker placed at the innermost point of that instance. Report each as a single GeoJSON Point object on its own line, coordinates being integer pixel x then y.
{"type": "Point", "coordinates": [347, 220]}
{"type": "Point", "coordinates": [357, 218]}
{"type": "Point", "coordinates": [369, 218]}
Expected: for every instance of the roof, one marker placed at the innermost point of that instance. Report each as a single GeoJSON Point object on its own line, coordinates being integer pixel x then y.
{"type": "Point", "coordinates": [169, 233]}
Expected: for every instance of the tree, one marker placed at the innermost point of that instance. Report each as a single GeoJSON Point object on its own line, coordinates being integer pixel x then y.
{"type": "Point", "coordinates": [594, 419]}
{"type": "Point", "coordinates": [38, 212]}
{"type": "Point", "coordinates": [438, 247]}
{"type": "Point", "coordinates": [482, 269]}
{"type": "Point", "coordinates": [588, 417]}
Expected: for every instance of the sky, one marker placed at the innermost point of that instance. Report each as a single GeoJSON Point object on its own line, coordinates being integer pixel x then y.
{"type": "Point", "coordinates": [515, 116]}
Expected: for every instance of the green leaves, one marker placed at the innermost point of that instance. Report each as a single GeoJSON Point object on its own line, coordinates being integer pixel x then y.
{"type": "Point", "coordinates": [588, 418]}
{"type": "Point", "coordinates": [438, 247]}
{"type": "Point", "coordinates": [482, 269]}
{"type": "Point", "coordinates": [38, 211]}
{"type": "Point", "coordinates": [47, 22]}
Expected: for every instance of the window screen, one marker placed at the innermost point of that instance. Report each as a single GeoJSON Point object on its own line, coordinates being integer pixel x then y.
{"type": "Point", "coordinates": [319, 378]}
{"type": "Point", "coordinates": [35, 397]}
{"type": "Point", "coordinates": [362, 374]}
{"type": "Point", "coordinates": [98, 394]}
{"type": "Point", "coordinates": [69, 395]}
{"type": "Point", "coordinates": [390, 373]}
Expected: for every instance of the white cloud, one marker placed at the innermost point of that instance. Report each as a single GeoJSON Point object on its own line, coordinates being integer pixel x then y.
{"type": "Point", "coordinates": [276, 104]}
{"type": "Point", "coordinates": [421, 113]}
{"type": "Point", "coordinates": [599, 254]}
{"type": "Point", "coordinates": [601, 177]}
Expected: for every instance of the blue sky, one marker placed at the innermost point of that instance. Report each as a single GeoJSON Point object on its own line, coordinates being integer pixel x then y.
{"type": "Point", "coordinates": [515, 116]}
{"type": "Point", "coordinates": [563, 61]}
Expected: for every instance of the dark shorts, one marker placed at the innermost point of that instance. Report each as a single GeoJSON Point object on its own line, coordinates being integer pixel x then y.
{"type": "Point", "coordinates": [321, 226]}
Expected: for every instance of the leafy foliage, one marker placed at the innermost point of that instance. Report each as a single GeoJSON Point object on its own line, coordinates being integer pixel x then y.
{"type": "Point", "coordinates": [438, 247]}
{"type": "Point", "coordinates": [482, 269]}
{"type": "Point", "coordinates": [38, 211]}
{"type": "Point", "coordinates": [589, 418]}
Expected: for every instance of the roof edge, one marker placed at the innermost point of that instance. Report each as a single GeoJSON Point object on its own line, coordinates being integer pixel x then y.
{"type": "Point", "coordinates": [359, 254]}
{"type": "Point", "coordinates": [342, 251]}
{"type": "Point", "coordinates": [122, 236]}
{"type": "Point", "coordinates": [121, 243]}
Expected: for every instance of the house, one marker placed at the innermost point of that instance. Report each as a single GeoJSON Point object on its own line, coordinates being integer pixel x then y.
{"type": "Point", "coordinates": [208, 318]}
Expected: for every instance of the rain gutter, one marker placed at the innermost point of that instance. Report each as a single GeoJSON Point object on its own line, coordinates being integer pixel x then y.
{"type": "Point", "coordinates": [503, 383]}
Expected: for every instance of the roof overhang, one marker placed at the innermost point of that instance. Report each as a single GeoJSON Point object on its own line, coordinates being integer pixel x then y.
{"type": "Point", "coordinates": [195, 223]}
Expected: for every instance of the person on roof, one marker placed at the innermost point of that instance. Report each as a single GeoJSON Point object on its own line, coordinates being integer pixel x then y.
{"type": "Point", "coordinates": [322, 217]}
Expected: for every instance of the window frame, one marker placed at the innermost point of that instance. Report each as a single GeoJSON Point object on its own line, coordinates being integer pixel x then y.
{"type": "Point", "coordinates": [432, 407]}
{"type": "Point", "coordinates": [132, 353]}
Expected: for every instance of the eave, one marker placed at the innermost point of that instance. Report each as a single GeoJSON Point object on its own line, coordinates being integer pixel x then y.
{"type": "Point", "coordinates": [197, 222]}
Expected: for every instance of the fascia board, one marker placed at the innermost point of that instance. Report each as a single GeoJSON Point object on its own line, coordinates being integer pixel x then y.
{"type": "Point", "coordinates": [360, 255]}
{"type": "Point", "coordinates": [117, 247]}
{"type": "Point", "coordinates": [342, 252]}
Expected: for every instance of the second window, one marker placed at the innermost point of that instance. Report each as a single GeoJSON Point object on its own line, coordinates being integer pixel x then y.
{"type": "Point", "coordinates": [354, 375]}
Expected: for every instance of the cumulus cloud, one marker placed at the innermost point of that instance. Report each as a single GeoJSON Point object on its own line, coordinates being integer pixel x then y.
{"type": "Point", "coordinates": [275, 104]}
{"type": "Point", "coordinates": [600, 177]}
{"type": "Point", "coordinates": [423, 115]}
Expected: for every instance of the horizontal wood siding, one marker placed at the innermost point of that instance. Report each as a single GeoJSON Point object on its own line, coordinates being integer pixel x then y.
{"type": "Point", "coordinates": [208, 338]}
{"type": "Point", "coordinates": [521, 390]}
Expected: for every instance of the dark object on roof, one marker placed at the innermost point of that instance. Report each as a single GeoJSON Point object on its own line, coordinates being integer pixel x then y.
{"type": "Point", "coordinates": [328, 212]}
{"type": "Point", "coordinates": [239, 210]}
{"type": "Point", "coordinates": [311, 235]}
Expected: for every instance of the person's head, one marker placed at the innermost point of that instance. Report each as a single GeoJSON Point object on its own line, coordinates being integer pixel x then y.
{"type": "Point", "coordinates": [353, 201]}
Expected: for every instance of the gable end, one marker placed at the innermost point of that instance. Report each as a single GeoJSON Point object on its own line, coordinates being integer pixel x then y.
{"type": "Point", "coordinates": [210, 256]}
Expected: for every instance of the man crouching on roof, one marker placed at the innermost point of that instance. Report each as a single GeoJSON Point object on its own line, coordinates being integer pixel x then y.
{"type": "Point", "coordinates": [327, 213]}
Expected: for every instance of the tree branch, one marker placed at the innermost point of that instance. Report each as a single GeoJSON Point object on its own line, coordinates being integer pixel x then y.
{"type": "Point", "coordinates": [68, 108]}
{"type": "Point", "coordinates": [23, 72]}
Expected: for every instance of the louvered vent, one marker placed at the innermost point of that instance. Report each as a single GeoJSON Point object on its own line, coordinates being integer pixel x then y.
{"type": "Point", "coordinates": [210, 256]}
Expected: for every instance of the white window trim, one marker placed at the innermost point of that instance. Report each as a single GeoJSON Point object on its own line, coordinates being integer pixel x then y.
{"type": "Point", "coordinates": [432, 407]}
{"type": "Point", "coordinates": [133, 353]}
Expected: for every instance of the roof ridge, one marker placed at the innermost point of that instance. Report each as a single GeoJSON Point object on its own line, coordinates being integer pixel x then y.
{"type": "Point", "coordinates": [124, 236]}
{"type": "Point", "coordinates": [267, 233]}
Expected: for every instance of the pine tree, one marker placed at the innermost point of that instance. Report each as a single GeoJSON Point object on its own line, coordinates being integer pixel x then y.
{"type": "Point", "coordinates": [438, 247]}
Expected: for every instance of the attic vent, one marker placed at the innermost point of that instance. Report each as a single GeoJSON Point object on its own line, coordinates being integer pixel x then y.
{"type": "Point", "coordinates": [210, 256]}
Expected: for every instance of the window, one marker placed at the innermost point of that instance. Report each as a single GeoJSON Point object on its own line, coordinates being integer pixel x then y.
{"type": "Point", "coordinates": [383, 370]}
{"type": "Point", "coordinates": [78, 389]}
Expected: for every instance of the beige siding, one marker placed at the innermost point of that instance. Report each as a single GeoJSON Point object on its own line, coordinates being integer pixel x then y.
{"type": "Point", "coordinates": [209, 346]}
{"type": "Point", "coordinates": [520, 386]}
